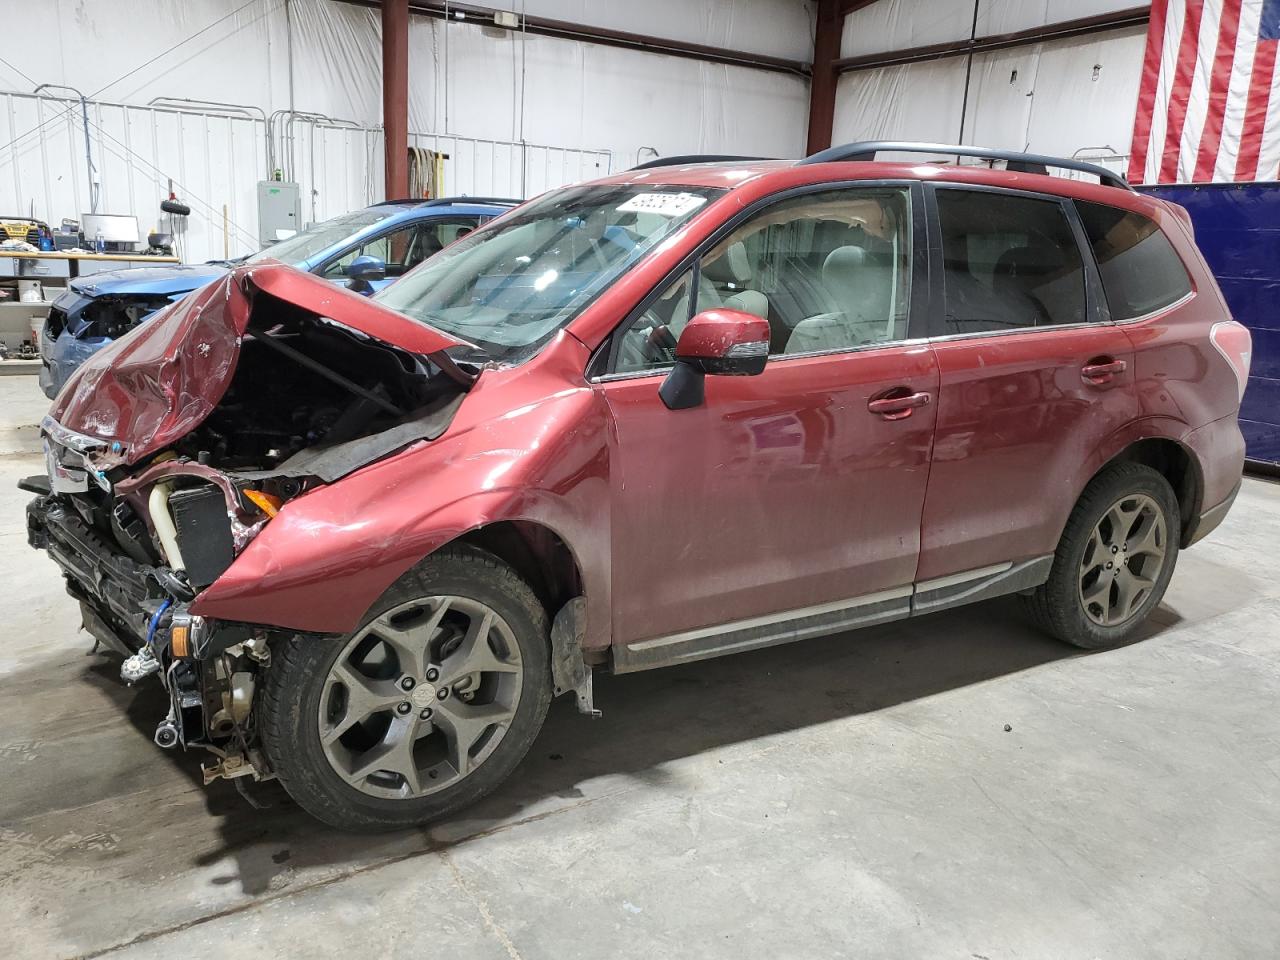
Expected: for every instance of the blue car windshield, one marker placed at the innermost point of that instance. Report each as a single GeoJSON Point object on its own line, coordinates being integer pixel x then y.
{"type": "Point", "coordinates": [510, 287]}
{"type": "Point", "coordinates": [320, 236]}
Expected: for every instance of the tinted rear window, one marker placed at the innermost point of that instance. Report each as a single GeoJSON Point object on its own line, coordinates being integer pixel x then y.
{"type": "Point", "coordinates": [1010, 262]}
{"type": "Point", "coordinates": [1141, 273]}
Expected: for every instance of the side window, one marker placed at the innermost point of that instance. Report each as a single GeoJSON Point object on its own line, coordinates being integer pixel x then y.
{"type": "Point", "coordinates": [403, 249]}
{"type": "Point", "coordinates": [1008, 262]}
{"type": "Point", "coordinates": [1140, 271]}
{"type": "Point", "coordinates": [829, 271]}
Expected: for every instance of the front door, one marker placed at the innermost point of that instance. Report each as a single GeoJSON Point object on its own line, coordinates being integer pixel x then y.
{"type": "Point", "coordinates": [1033, 378]}
{"type": "Point", "coordinates": [785, 494]}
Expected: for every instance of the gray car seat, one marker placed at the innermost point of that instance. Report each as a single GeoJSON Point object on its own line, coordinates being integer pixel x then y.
{"type": "Point", "coordinates": [861, 284]}
{"type": "Point", "coordinates": [730, 270]}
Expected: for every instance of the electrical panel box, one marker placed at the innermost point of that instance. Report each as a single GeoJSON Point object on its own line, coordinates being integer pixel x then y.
{"type": "Point", "coordinates": [279, 210]}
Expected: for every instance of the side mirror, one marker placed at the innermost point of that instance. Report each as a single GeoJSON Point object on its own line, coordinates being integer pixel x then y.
{"type": "Point", "coordinates": [717, 342]}
{"type": "Point", "coordinates": [362, 270]}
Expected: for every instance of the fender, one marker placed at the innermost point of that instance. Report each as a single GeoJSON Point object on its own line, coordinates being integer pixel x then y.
{"type": "Point", "coordinates": [329, 554]}
{"type": "Point", "coordinates": [1145, 428]}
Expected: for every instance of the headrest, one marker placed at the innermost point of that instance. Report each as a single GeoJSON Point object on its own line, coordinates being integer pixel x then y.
{"type": "Point", "coordinates": [843, 260]}
{"type": "Point", "coordinates": [732, 267]}
{"type": "Point", "coordinates": [1038, 261]}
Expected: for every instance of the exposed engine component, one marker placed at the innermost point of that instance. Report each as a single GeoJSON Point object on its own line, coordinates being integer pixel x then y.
{"type": "Point", "coordinates": [109, 317]}
{"type": "Point", "coordinates": [166, 735]}
{"type": "Point", "coordinates": [142, 664]}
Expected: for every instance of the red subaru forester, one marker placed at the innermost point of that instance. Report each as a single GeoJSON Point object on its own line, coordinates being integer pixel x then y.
{"type": "Point", "coordinates": [692, 409]}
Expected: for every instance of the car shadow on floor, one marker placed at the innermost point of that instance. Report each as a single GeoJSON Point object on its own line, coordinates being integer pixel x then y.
{"type": "Point", "coordinates": [649, 720]}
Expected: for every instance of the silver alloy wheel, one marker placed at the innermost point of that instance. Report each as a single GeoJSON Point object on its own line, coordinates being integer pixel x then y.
{"type": "Point", "coordinates": [420, 697]}
{"type": "Point", "coordinates": [1123, 559]}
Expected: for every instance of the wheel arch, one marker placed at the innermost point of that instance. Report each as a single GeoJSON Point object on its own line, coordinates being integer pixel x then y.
{"type": "Point", "coordinates": [538, 554]}
{"type": "Point", "coordinates": [1176, 463]}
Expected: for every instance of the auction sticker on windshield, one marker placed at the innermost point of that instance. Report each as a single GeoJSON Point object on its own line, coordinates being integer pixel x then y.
{"type": "Point", "coordinates": [665, 204]}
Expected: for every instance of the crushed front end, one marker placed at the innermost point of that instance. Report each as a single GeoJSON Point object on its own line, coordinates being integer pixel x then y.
{"type": "Point", "coordinates": [171, 449]}
{"type": "Point", "coordinates": [135, 554]}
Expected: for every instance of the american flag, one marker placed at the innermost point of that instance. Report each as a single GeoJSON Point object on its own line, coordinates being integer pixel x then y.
{"type": "Point", "coordinates": [1208, 104]}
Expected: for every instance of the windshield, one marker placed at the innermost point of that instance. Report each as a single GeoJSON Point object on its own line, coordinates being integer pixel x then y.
{"type": "Point", "coordinates": [320, 236]}
{"type": "Point", "coordinates": [509, 288]}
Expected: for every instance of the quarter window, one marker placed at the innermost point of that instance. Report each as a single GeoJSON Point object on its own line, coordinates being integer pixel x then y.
{"type": "Point", "coordinates": [830, 271]}
{"type": "Point", "coordinates": [1009, 262]}
{"type": "Point", "coordinates": [1140, 271]}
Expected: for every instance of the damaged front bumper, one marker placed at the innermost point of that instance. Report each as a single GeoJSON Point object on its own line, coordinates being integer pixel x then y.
{"type": "Point", "coordinates": [141, 610]}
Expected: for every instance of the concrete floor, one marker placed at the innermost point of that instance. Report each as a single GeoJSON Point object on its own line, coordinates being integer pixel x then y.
{"type": "Point", "coordinates": [852, 796]}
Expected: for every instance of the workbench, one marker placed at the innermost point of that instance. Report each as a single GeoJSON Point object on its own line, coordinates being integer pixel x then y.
{"type": "Point", "coordinates": [54, 270]}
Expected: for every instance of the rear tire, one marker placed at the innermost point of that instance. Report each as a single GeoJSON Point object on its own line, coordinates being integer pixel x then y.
{"type": "Point", "coordinates": [359, 750]}
{"type": "Point", "coordinates": [1114, 561]}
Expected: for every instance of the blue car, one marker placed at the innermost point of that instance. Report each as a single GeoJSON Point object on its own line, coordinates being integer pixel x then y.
{"type": "Point", "coordinates": [365, 250]}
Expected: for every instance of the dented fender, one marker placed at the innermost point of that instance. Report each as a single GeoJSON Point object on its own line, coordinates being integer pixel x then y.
{"type": "Point", "coordinates": [515, 451]}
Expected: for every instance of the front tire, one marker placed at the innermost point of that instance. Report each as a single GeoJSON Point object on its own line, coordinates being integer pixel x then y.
{"type": "Point", "coordinates": [1114, 561]}
{"type": "Point", "coordinates": [424, 709]}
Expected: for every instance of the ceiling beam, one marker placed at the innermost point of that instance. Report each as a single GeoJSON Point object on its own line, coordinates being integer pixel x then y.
{"type": "Point", "coordinates": [1084, 26]}
{"type": "Point", "coordinates": [482, 16]}
{"type": "Point", "coordinates": [849, 6]}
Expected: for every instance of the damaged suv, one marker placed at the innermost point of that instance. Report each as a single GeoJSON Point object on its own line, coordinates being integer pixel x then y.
{"type": "Point", "coordinates": [689, 410]}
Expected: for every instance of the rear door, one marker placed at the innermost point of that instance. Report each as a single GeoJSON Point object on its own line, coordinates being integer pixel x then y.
{"type": "Point", "coordinates": [1033, 375]}
{"type": "Point", "coordinates": [786, 494]}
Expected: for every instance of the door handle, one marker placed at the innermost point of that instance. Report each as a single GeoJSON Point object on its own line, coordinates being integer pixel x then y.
{"type": "Point", "coordinates": [1101, 370]}
{"type": "Point", "coordinates": [899, 406]}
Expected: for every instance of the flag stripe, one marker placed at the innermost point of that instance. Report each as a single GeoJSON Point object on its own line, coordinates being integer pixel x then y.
{"type": "Point", "coordinates": [1169, 60]}
{"type": "Point", "coordinates": [1180, 92]}
{"type": "Point", "coordinates": [1219, 84]}
{"type": "Point", "coordinates": [1147, 92]}
{"type": "Point", "coordinates": [1269, 151]}
{"type": "Point", "coordinates": [1238, 91]}
{"type": "Point", "coordinates": [1198, 95]}
{"type": "Point", "coordinates": [1255, 113]}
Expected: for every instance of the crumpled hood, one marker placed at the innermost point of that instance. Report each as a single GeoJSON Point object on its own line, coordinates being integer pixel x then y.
{"type": "Point", "coordinates": [163, 281]}
{"type": "Point", "coordinates": [161, 380]}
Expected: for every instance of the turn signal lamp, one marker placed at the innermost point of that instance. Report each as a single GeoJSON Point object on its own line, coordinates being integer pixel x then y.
{"type": "Point", "coordinates": [264, 501]}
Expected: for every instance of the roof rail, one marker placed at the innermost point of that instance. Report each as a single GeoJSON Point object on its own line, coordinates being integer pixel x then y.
{"type": "Point", "coordinates": [443, 201]}
{"type": "Point", "coordinates": [695, 158]}
{"type": "Point", "coordinates": [1014, 160]}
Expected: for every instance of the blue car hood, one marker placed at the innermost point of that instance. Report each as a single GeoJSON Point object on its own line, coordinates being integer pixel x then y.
{"type": "Point", "coordinates": [165, 281]}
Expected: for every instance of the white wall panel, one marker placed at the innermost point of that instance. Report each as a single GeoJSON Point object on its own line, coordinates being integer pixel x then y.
{"type": "Point", "coordinates": [203, 49]}
{"type": "Point", "coordinates": [888, 25]}
{"type": "Point", "coordinates": [779, 28]}
{"type": "Point", "coordinates": [1053, 98]}
{"type": "Point", "coordinates": [1066, 96]}
{"type": "Point", "coordinates": [337, 60]}
{"type": "Point", "coordinates": [918, 101]}
{"type": "Point", "coordinates": [1011, 16]}
{"type": "Point", "coordinates": [899, 24]}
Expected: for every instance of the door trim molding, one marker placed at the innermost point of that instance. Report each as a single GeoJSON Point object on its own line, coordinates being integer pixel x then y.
{"type": "Point", "coordinates": [866, 610]}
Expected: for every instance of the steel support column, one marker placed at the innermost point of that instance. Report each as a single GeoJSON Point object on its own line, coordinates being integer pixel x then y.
{"type": "Point", "coordinates": [828, 30]}
{"type": "Point", "coordinates": [822, 83]}
{"type": "Point", "coordinates": [395, 96]}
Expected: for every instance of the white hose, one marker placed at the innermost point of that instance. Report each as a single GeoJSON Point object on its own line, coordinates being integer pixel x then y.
{"type": "Point", "coordinates": [162, 520]}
